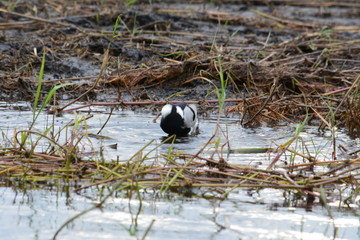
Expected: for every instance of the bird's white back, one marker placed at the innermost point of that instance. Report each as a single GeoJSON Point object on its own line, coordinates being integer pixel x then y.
{"type": "Point", "coordinates": [190, 115]}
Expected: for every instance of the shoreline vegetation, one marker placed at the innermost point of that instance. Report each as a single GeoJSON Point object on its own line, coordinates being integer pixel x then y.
{"type": "Point", "coordinates": [261, 61]}
{"type": "Point", "coordinates": [276, 69]}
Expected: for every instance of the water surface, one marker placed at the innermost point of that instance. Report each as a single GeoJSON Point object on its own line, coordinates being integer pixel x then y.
{"type": "Point", "coordinates": [34, 211]}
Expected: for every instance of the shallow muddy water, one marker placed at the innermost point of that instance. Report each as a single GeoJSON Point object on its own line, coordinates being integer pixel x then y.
{"type": "Point", "coordinates": [36, 212]}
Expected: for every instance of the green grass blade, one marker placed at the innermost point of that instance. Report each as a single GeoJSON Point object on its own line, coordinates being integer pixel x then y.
{"type": "Point", "coordinates": [48, 98]}
{"type": "Point", "coordinates": [131, 2]}
{"type": "Point", "coordinates": [117, 22]}
{"type": "Point", "coordinates": [38, 90]}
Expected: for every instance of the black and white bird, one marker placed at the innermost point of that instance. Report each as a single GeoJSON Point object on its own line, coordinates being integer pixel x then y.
{"type": "Point", "coordinates": [179, 119]}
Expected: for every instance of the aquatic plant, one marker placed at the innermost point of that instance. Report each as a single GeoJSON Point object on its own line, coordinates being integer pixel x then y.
{"type": "Point", "coordinates": [182, 166]}
{"type": "Point", "coordinates": [37, 111]}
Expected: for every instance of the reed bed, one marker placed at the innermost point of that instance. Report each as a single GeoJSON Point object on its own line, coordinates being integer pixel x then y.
{"type": "Point", "coordinates": [266, 66]}
{"type": "Point", "coordinates": [175, 171]}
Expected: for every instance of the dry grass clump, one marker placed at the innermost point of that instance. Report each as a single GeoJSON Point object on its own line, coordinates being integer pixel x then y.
{"type": "Point", "coordinates": [274, 66]}
{"type": "Point", "coordinates": [279, 67]}
{"type": "Point", "coordinates": [172, 170]}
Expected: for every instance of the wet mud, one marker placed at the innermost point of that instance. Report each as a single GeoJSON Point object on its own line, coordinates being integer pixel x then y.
{"type": "Point", "coordinates": [282, 58]}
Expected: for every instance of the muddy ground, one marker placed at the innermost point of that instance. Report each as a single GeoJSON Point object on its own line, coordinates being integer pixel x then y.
{"type": "Point", "coordinates": [282, 60]}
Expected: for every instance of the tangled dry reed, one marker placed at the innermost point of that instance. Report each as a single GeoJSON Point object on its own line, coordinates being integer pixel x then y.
{"type": "Point", "coordinates": [174, 171]}
{"type": "Point", "coordinates": [277, 69]}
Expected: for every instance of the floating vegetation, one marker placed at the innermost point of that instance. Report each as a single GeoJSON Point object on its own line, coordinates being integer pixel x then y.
{"type": "Point", "coordinates": [174, 171]}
